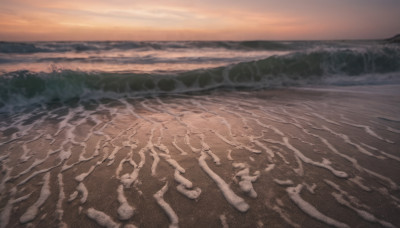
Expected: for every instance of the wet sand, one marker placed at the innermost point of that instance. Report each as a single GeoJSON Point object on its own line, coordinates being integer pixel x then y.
{"type": "Point", "coordinates": [311, 157]}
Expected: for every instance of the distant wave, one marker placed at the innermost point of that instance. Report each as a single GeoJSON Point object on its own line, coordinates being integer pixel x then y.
{"type": "Point", "coordinates": [39, 47]}
{"type": "Point", "coordinates": [137, 60]}
{"type": "Point", "coordinates": [372, 65]}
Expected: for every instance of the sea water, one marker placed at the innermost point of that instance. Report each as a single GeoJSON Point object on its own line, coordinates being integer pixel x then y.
{"type": "Point", "coordinates": [195, 134]}
{"type": "Point", "coordinates": [39, 72]}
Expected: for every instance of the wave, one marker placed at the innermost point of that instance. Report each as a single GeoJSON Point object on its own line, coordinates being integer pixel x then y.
{"type": "Point", "coordinates": [374, 65]}
{"type": "Point", "coordinates": [134, 60]}
{"type": "Point", "coordinates": [40, 47]}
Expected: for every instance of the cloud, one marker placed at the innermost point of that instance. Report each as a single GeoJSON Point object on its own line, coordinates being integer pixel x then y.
{"type": "Point", "coordinates": [207, 19]}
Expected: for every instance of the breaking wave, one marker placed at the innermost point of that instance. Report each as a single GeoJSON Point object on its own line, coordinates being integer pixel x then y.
{"type": "Point", "coordinates": [349, 66]}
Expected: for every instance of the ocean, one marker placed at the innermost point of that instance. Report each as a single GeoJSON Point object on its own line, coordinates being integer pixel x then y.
{"type": "Point", "coordinates": [200, 133]}
{"type": "Point", "coordinates": [40, 72]}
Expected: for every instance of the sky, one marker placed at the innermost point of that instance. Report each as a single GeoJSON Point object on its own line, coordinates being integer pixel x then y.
{"type": "Point", "coordinates": [45, 20]}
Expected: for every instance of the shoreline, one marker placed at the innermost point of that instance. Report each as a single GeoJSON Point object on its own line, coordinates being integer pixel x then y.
{"type": "Point", "coordinates": [296, 157]}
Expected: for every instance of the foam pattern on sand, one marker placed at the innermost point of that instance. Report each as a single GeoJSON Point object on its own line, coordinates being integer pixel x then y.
{"type": "Point", "coordinates": [261, 158]}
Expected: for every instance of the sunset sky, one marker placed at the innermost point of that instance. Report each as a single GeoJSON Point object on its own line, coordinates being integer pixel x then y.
{"type": "Point", "coordinates": [22, 20]}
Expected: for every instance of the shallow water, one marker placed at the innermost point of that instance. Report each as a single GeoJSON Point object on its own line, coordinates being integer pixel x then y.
{"type": "Point", "coordinates": [277, 158]}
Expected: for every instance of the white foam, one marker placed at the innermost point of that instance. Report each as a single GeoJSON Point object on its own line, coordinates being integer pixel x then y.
{"type": "Point", "coordinates": [362, 213]}
{"type": "Point", "coordinates": [61, 197]}
{"type": "Point", "coordinates": [229, 155]}
{"type": "Point", "coordinates": [310, 188]}
{"type": "Point", "coordinates": [215, 158]}
{"type": "Point", "coordinates": [22, 198]}
{"type": "Point", "coordinates": [131, 109]}
{"type": "Point", "coordinates": [385, 192]}
{"type": "Point", "coordinates": [65, 167]}
{"type": "Point", "coordinates": [187, 142]}
{"type": "Point", "coordinates": [358, 181]}
{"type": "Point", "coordinates": [334, 150]}
{"type": "Point", "coordinates": [158, 196]}
{"type": "Point", "coordinates": [37, 173]}
{"type": "Point", "coordinates": [98, 146]}
{"type": "Point", "coordinates": [305, 159]}
{"type": "Point", "coordinates": [84, 192]}
{"type": "Point", "coordinates": [6, 211]}
{"type": "Point", "coordinates": [173, 163]}
{"type": "Point", "coordinates": [283, 182]}
{"type": "Point", "coordinates": [394, 157]}
{"type": "Point", "coordinates": [3, 157]}
{"type": "Point", "coordinates": [24, 157]}
{"type": "Point", "coordinates": [283, 158]}
{"type": "Point", "coordinates": [392, 184]}
{"type": "Point", "coordinates": [282, 213]}
{"type": "Point", "coordinates": [32, 166]}
{"type": "Point", "coordinates": [300, 169]}
{"type": "Point", "coordinates": [246, 180]}
{"type": "Point", "coordinates": [348, 141]}
{"type": "Point", "coordinates": [101, 218]}
{"type": "Point", "coordinates": [142, 157]}
{"type": "Point", "coordinates": [13, 138]}
{"type": "Point", "coordinates": [244, 120]}
{"type": "Point", "coordinates": [128, 178]}
{"type": "Point", "coordinates": [65, 154]}
{"type": "Point", "coordinates": [368, 130]}
{"type": "Point", "coordinates": [393, 130]}
{"type": "Point", "coordinates": [352, 199]}
{"type": "Point", "coordinates": [266, 149]}
{"type": "Point", "coordinates": [228, 125]}
{"type": "Point", "coordinates": [155, 162]}
{"type": "Point", "coordinates": [125, 211]}
{"type": "Point", "coordinates": [162, 147]}
{"type": "Point", "coordinates": [113, 153]}
{"type": "Point", "coordinates": [130, 226]}
{"type": "Point", "coordinates": [97, 164]}
{"type": "Point", "coordinates": [82, 176]}
{"type": "Point", "coordinates": [224, 223]}
{"type": "Point", "coordinates": [174, 143]}
{"type": "Point", "coordinates": [148, 108]}
{"type": "Point", "coordinates": [64, 123]}
{"type": "Point", "coordinates": [274, 129]}
{"type": "Point", "coordinates": [239, 165]}
{"type": "Point", "coordinates": [182, 180]}
{"type": "Point", "coordinates": [326, 119]}
{"type": "Point", "coordinates": [274, 142]}
{"type": "Point", "coordinates": [32, 211]}
{"type": "Point", "coordinates": [119, 167]}
{"type": "Point", "coordinates": [229, 195]}
{"type": "Point", "coordinates": [225, 139]}
{"type": "Point", "coordinates": [302, 140]}
{"type": "Point", "coordinates": [294, 194]}
{"type": "Point", "coordinates": [189, 193]}
{"type": "Point", "coordinates": [269, 167]}
{"type": "Point", "coordinates": [252, 150]}
{"type": "Point", "coordinates": [73, 196]}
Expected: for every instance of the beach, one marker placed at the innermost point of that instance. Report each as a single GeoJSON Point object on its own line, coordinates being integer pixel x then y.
{"type": "Point", "coordinates": [315, 156]}
{"type": "Point", "coordinates": [199, 114]}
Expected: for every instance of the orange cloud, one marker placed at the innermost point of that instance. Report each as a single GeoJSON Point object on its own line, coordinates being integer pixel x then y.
{"type": "Point", "coordinates": [175, 19]}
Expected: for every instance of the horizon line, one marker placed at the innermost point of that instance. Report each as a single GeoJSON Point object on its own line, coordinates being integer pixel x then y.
{"type": "Point", "coordinates": [200, 40]}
